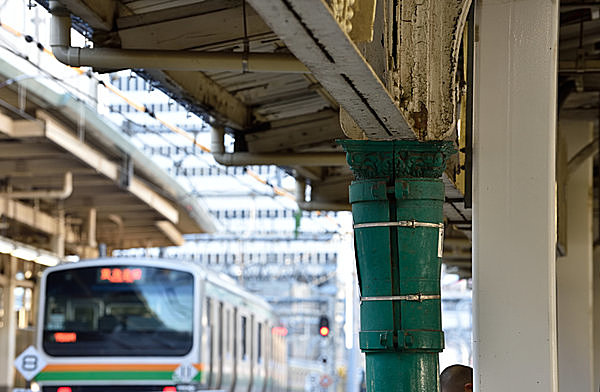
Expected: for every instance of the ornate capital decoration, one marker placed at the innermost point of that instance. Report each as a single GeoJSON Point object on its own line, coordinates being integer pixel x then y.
{"type": "Point", "coordinates": [355, 18]}
{"type": "Point", "coordinates": [397, 159]}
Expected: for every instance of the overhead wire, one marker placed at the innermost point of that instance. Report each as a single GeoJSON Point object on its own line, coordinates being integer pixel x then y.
{"type": "Point", "coordinates": [144, 109]}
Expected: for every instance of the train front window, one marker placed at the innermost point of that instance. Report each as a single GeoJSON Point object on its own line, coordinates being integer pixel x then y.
{"type": "Point", "coordinates": [118, 311]}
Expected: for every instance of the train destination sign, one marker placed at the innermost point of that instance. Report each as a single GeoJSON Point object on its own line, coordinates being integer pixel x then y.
{"type": "Point", "coordinates": [120, 275]}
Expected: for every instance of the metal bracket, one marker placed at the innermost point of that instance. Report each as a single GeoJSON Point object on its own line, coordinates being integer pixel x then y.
{"type": "Point", "coordinates": [412, 224]}
{"type": "Point", "coordinates": [409, 297]}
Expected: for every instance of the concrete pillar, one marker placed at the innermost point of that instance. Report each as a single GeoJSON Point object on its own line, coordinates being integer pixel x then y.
{"type": "Point", "coordinates": [574, 272]}
{"type": "Point", "coordinates": [514, 240]}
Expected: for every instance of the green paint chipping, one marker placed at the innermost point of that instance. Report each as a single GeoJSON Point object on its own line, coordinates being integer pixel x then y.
{"type": "Point", "coordinates": [398, 182]}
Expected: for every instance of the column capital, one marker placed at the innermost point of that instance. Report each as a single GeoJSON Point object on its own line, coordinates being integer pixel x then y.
{"type": "Point", "coordinates": [397, 158]}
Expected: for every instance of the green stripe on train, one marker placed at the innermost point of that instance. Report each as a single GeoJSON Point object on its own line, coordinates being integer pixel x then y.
{"type": "Point", "coordinates": [95, 375]}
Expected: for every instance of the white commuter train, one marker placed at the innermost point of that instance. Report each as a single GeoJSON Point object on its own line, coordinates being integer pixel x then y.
{"type": "Point", "coordinates": [147, 325]}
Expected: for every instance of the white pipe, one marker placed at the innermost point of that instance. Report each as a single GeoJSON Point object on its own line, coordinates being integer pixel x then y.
{"type": "Point", "coordinates": [315, 205]}
{"type": "Point", "coordinates": [107, 58]}
{"type": "Point", "coordinates": [279, 159]}
{"type": "Point", "coordinates": [60, 194]}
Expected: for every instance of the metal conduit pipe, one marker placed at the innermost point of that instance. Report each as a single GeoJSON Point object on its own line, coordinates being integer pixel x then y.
{"type": "Point", "coordinates": [316, 205]}
{"type": "Point", "coordinates": [279, 159]}
{"type": "Point", "coordinates": [107, 58]}
{"type": "Point", "coordinates": [59, 194]}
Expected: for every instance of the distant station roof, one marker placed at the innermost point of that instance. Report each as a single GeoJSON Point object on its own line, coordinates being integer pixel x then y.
{"type": "Point", "coordinates": [66, 172]}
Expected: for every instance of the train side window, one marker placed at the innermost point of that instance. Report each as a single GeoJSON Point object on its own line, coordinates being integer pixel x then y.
{"type": "Point", "coordinates": [259, 343]}
{"type": "Point", "coordinates": [244, 351]}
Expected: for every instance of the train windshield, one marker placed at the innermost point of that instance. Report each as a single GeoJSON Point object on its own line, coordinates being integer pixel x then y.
{"type": "Point", "coordinates": [118, 311]}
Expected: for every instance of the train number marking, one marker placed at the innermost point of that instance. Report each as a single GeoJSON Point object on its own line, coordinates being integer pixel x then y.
{"type": "Point", "coordinates": [185, 373]}
{"type": "Point", "coordinates": [30, 363]}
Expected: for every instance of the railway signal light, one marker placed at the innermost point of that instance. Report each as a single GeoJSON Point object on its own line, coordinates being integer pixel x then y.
{"type": "Point", "coordinates": [323, 326]}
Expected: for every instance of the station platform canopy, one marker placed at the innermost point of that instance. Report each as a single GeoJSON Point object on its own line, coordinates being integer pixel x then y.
{"type": "Point", "coordinates": [284, 79]}
{"type": "Point", "coordinates": [71, 180]}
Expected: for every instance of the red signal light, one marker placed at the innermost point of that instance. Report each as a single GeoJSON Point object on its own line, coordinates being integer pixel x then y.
{"type": "Point", "coordinates": [324, 331]}
{"type": "Point", "coordinates": [324, 326]}
{"type": "Point", "coordinates": [63, 389]}
{"type": "Point", "coordinates": [170, 389]}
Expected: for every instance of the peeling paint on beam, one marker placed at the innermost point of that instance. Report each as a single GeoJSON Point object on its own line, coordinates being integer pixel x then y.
{"type": "Point", "coordinates": [312, 34]}
{"type": "Point", "coordinates": [424, 38]}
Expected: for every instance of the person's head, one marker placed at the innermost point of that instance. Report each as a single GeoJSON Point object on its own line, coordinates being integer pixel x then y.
{"type": "Point", "coordinates": [457, 378]}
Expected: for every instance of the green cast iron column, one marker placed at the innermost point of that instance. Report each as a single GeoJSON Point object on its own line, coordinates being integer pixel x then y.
{"type": "Point", "coordinates": [397, 201]}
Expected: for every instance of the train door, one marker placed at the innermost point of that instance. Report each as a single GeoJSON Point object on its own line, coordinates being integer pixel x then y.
{"type": "Point", "coordinates": [259, 370]}
{"type": "Point", "coordinates": [216, 327]}
{"type": "Point", "coordinates": [279, 355]}
{"type": "Point", "coordinates": [266, 350]}
{"type": "Point", "coordinates": [268, 360]}
{"type": "Point", "coordinates": [228, 357]}
{"type": "Point", "coordinates": [252, 353]}
{"type": "Point", "coordinates": [243, 359]}
{"type": "Point", "coordinates": [206, 341]}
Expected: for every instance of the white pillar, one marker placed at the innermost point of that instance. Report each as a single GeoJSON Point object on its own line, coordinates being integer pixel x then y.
{"type": "Point", "coordinates": [514, 241]}
{"type": "Point", "coordinates": [574, 272]}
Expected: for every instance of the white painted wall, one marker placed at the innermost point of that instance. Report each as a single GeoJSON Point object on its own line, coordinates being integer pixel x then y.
{"type": "Point", "coordinates": [514, 240]}
{"type": "Point", "coordinates": [574, 272]}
